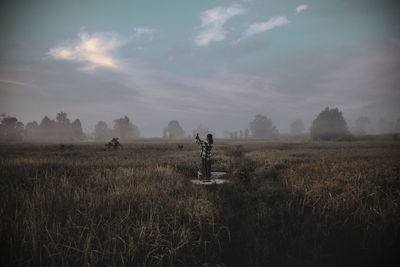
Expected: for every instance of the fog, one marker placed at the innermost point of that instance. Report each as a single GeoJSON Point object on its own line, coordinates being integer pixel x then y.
{"type": "Point", "coordinates": [217, 65]}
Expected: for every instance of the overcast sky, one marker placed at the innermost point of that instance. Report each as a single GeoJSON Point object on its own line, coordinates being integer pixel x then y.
{"type": "Point", "coordinates": [217, 63]}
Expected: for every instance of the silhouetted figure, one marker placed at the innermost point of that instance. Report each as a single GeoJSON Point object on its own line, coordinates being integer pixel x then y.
{"type": "Point", "coordinates": [205, 154]}
{"type": "Point", "coordinates": [114, 143]}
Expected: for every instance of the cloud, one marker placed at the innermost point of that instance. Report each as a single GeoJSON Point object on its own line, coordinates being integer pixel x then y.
{"type": "Point", "coordinates": [140, 31]}
{"type": "Point", "coordinates": [301, 8]}
{"type": "Point", "coordinates": [17, 83]}
{"type": "Point", "coordinates": [92, 50]}
{"type": "Point", "coordinates": [260, 27]}
{"type": "Point", "coordinates": [212, 22]}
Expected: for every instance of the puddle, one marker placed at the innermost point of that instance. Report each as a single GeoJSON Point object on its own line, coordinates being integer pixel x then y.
{"type": "Point", "coordinates": [216, 178]}
{"type": "Point", "coordinates": [210, 182]}
{"type": "Point", "coordinates": [217, 174]}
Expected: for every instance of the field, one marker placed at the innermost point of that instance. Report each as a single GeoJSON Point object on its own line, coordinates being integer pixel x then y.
{"type": "Point", "coordinates": [288, 204]}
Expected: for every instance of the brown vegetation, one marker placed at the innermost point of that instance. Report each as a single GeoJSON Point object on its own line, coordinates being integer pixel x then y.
{"type": "Point", "coordinates": [289, 203]}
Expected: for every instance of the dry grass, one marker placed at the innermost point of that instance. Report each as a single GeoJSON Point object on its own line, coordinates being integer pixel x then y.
{"type": "Point", "coordinates": [82, 205]}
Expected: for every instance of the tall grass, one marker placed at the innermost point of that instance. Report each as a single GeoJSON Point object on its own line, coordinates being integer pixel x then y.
{"type": "Point", "coordinates": [108, 209]}
{"type": "Point", "coordinates": [288, 204]}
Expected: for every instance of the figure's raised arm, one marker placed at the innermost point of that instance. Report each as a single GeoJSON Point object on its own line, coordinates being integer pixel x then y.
{"type": "Point", "coordinates": [198, 140]}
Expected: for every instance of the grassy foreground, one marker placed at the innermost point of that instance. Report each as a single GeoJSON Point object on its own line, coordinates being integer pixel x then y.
{"type": "Point", "coordinates": [289, 204]}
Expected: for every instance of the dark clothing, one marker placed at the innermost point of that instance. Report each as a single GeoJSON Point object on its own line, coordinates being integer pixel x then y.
{"type": "Point", "coordinates": [206, 168]}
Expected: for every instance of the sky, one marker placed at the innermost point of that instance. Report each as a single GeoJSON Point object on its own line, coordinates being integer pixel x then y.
{"type": "Point", "coordinates": [215, 63]}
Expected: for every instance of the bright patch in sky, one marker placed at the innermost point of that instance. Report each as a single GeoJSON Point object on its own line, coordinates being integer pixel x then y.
{"type": "Point", "coordinates": [93, 51]}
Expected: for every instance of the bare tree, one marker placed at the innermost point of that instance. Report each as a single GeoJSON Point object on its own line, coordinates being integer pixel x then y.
{"type": "Point", "coordinates": [175, 130]}
{"type": "Point", "coordinates": [262, 127]}
{"type": "Point", "coordinates": [297, 127]}
{"type": "Point", "coordinates": [329, 125]}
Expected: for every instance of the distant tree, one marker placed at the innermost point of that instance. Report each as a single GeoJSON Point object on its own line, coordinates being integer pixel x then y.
{"type": "Point", "coordinates": [76, 130]}
{"type": "Point", "coordinates": [246, 133]}
{"type": "Point", "coordinates": [31, 125]}
{"type": "Point", "coordinates": [262, 127]}
{"type": "Point", "coordinates": [297, 127]}
{"type": "Point", "coordinates": [60, 129]}
{"type": "Point", "coordinates": [125, 129]}
{"type": "Point", "coordinates": [231, 135]}
{"type": "Point", "coordinates": [102, 132]}
{"type": "Point", "coordinates": [361, 125]}
{"type": "Point", "coordinates": [11, 129]}
{"type": "Point", "coordinates": [329, 125]}
{"type": "Point", "coordinates": [32, 130]}
{"type": "Point", "coordinates": [397, 126]}
{"type": "Point", "coordinates": [165, 133]}
{"type": "Point", "coordinates": [385, 126]}
{"type": "Point", "coordinates": [175, 130]}
{"type": "Point", "coordinates": [47, 129]}
{"type": "Point", "coordinates": [62, 119]}
{"type": "Point", "coordinates": [63, 127]}
{"type": "Point", "coordinates": [47, 123]}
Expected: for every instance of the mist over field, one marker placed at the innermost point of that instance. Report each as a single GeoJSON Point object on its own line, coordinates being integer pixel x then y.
{"type": "Point", "coordinates": [199, 133]}
{"type": "Point", "coordinates": [212, 63]}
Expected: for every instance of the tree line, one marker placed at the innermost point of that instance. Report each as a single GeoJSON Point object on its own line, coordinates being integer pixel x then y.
{"type": "Point", "coordinates": [328, 125]}
{"type": "Point", "coordinates": [60, 129]}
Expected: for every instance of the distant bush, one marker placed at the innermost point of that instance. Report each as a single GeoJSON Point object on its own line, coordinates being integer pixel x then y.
{"type": "Point", "coordinates": [329, 125]}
